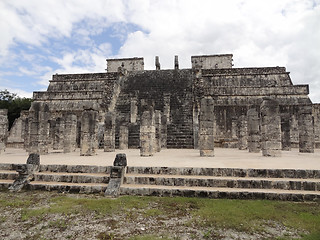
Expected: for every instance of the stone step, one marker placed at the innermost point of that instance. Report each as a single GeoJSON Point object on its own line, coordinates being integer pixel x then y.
{"type": "Point", "coordinates": [228, 172]}
{"type": "Point", "coordinates": [231, 193]}
{"type": "Point", "coordinates": [8, 174]}
{"type": "Point", "coordinates": [61, 177]}
{"type": "Point", "coordinates": [225, 182]}
{"type": "Point", "coordinates": [72, 177]}
{"type": "Point", "coordinates": [60, 186]}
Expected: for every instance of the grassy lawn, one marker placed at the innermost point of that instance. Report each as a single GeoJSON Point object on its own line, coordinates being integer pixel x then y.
{"type": "Point", "coordinates": [39, 214]}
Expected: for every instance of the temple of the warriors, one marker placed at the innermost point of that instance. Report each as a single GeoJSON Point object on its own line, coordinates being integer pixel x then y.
{"type": "Point", "coordinates": [212, 104]}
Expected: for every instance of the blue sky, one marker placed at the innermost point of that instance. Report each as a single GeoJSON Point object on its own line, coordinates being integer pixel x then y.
{"type": "Point", "coordinates": [41, 38]}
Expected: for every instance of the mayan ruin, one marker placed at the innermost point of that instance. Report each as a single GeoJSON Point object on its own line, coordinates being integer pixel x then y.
{"type": "Point", "coordinates": [210, 105]}
{"type": "Point", "coordinates": [202, 131]}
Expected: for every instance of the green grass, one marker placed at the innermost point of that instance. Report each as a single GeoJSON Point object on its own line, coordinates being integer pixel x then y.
{"type": "Point", "coordinates": [241, 215]}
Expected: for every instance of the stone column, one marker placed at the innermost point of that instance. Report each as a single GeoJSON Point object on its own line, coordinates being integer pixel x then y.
{"type": "Point", "coordinates": [285, 132]}
{"type": "Point", "coordinates": [158, 130]}
{"type": "Point", "coordinates": [242, 132]}
{"type": "Point", "coordinates": [147, 133]}
{"type": "Point", "coordinates": [133, 110]}
{"type": "Point", "coordinates": [88, 133]}
{"type": "Point", "coordinates": [70, 133]}
{"type": "Point", "coordinates": [123, 137]}
{"type": "Point", "coordinates": [157, 63]}
{"type": "Point", "coordinates": [39, 128]}
{"type": "Point", "coordinates": [206, 129]}
{"type": "Point", "coordinates": [109, 133]}
{"type": "Point", "coordinates": [270, 128]}
{"type": "Point", "coordinates": [3, 129]}
{"type": "Point", "coordinates": [195, 124]}
{"type": "Point", "coordinates": [25, 127]}
{"type": "Point", "coordinates": [58, 134]}
{"type": "Point", "coordinates": [164, 131]}
{"type": "Point", "coordinates": [44, 128]}
{"type": "Point", "coordinates": [306, 131]}
{"type": "Point", "coordinates": [166, 107]}
{"type": "Point", "coordinates": [253, 130]}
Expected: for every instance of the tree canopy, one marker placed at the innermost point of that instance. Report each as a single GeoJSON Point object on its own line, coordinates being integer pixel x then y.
{"type": "Point", "coordinates": [14, 104]}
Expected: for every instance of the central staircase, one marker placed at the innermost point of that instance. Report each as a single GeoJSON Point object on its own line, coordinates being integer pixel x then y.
{"type": "Point", "coordinates": [234, 183]}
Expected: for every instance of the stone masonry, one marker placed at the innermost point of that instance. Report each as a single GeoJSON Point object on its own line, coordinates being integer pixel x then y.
{"type": "Point", "coordinates": [3, 129]}
{"type": "Point", "coordinates": [206, 138]}
{"type": "Point", "coordinates": [270, 128]}
{"type": "Point", "coordinates": [89, 142]}
{"type": "Point", "coordinates": [176, 95]}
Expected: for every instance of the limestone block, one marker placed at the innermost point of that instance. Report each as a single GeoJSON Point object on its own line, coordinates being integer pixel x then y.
{"type": "Point", "coordinates": [123, 137]}
{"type": "Point", "coordinates": [89, 142]}
{"type": "Point", "coordinates": [109, 134]}
{"type": "Point", "coordinates": [3, 129]}
{"type": "Point", "coordinates": [70, 133]}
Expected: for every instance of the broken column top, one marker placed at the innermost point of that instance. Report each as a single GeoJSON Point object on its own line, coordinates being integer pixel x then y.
{"type": "Point", "coordinates": [120, 160]}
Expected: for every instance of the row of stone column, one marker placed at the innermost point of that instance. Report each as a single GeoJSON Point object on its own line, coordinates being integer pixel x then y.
{"type": "Point", "coordinates": [257, 131]}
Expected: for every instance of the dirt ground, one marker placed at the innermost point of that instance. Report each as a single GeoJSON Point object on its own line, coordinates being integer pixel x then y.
{"type": "Point", "coordinates": [31, 215]}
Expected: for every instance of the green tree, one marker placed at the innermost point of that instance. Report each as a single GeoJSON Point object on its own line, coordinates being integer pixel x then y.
{"type": "Point", "coordinates": [14, 104]}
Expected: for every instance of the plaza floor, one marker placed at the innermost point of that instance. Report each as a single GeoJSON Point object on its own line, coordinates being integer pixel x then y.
{"type": "Point", "coordinates": [224, 158]}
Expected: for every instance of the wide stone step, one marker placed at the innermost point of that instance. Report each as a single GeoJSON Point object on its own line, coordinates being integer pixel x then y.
{"type": "Point", "coordinates": [8, 174]}
{"type": "Point", "coordinates": [228, 172]}
{"type": "Point", "coordinates": [68, 187]}
{"type": "Point", "coordinates": [225, 182]}
{"type": "Point", "coordinates": [72, 177]}
{"type": "Point", "coordinates": [231, 193]}
{"type": "Point", "coordinates": [60, 186]}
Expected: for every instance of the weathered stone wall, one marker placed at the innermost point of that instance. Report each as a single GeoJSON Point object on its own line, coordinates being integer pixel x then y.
{"type": "Point", "coordinates": [18, 131]}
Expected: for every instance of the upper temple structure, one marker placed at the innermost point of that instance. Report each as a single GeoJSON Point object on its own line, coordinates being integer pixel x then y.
{"type": "Point", "coordinates": [209, 105]}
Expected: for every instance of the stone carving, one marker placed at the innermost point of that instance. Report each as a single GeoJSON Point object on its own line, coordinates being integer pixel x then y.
{"type": "Point", "coordinates": [89, 142]}
{"type": "Point", "coordinates": [116, 176]}
{"type": "Point", "coordinates": [242, 132]}
{"type": "Point", "coordinates": [70, 133]}
{"type": "Point", "coordinates": [270, 128]}
{"type": "Point", "coordinates": [109, 134]}
{"type": "Point", "coordinates": [206, 137]}
{"type": "Point", "coordinates": [306, 130]}
{"type": "Point", "coordinates": [253, 130]}
{"type": "Point", "coordinates": [147, 133]}
{"type": "Point", "coordinates": [26, 172]}
{"type": "Point", "coordinates": [3, 129]}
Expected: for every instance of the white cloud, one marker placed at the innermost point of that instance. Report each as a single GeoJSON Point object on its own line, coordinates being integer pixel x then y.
{"type": "Point", "coordinates": [258, 33]}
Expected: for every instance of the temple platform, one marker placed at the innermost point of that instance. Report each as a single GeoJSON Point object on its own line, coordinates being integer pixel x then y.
{"type": "Point", "coordinates": [177, 158]}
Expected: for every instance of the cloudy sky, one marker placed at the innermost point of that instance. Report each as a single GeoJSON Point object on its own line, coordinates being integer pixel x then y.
{"type": "Point", "coordinates": [40, 38]}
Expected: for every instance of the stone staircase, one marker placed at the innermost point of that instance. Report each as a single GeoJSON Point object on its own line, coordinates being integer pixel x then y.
{"type": "Point", "coordinates": [287, 184]}
{"type": "Point", "coordinates": [273, 184]}
{"type": "Point", "coordinates": [62, 178]}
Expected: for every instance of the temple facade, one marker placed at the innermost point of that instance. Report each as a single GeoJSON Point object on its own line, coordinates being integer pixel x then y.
{"type": "Point", "coordinates": [208, 105]}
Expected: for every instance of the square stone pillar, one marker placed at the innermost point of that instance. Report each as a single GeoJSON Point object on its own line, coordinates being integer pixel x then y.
{"type": "Point", "coordinates": [109, 132]}
{"type": "Point", "coordinates": [3, 129]}
{"type": "Point", "coordinates": [70, 133]}
{"type": "Point", "coordinates": [158, 130]}
{"type": "Point", "coordinates": [164, 132]}
{"type": "Point", "coordinates": [206, 127]}
{"type": "Point", "coordinates": [39, 128]}
{"type": "Point", "coordinates": [58, 134]}
{"type": "Point", "coordinates": [147, 133]}
{"type": "Point", "coordinates": [306, 131]}
{"type": "Point", "coordinates": [270, 128]}
{"type": "Point", "coordinates": [89, 126]}
{"type": "Point", "coordinates": [253, 130]}
{"type": "Point", "coordinates": [123, 137]}
{"type": "Point", "coordinates": [242, 132]}
{"type": "Point", "coordinates": [285, 132]}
